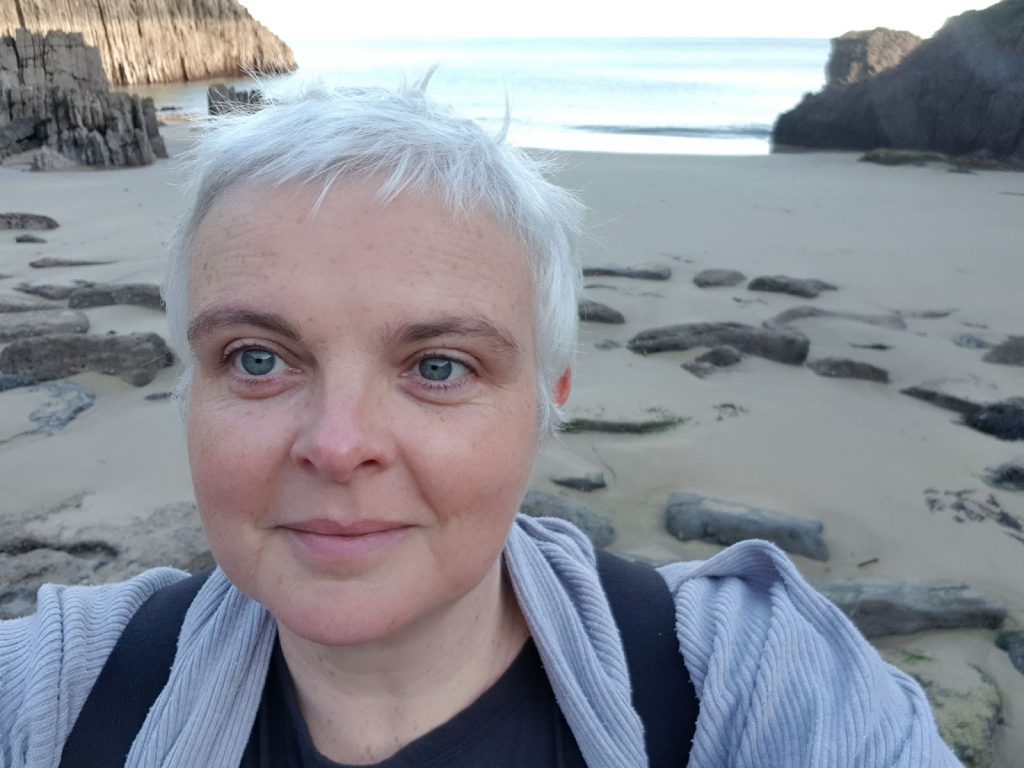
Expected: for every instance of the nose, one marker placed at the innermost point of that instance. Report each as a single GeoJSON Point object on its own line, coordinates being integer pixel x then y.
{"type": "Point", "coordinates": [342, 435]}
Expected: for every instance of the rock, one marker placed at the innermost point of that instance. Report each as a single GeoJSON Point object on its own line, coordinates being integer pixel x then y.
{"type": "Point", "coordinates": [67, 400]}
{"type": "Point", "coordinates": [720, 357]}
{"type": "Point", "coordinates": [622, 426]}
{"type": "Point", "coordinates": [713, 278]}
{"type": "Point", "coordinates": [959, 93]}
{"type": "Point", "coordinates": [158, 396]}
{"type": "Point", "coordinates": [47, 159]}
{"type": "Point", "coordinates": [964, 700]}
{"type": "Point", "coordinates": [16, 302]}
{"type": "Point", "coordinates": [781, 345]}
{"type": "Point", "coordinates": [794, 286]}
{"type": "Point", "coordinates": [886, 156]}
{"type": "Point", "coordinates": [793, 314]}
{"type": "Point", "coordinates": [970, 341]}
{"type": "Point", "coordinates": [857, 56]}
{"type": "Point", "coordinates": [33, 553]}
{"type": "Point", "coordinates": [55, 96]}
{"type": "Point", "coordinates": [652, 272]}
{"type": "Point", "coordinates": [46, 291]}
{"type": "Point", "coordinates": [34, 239]}
{"type": "Point", "coordinates": [161, 41]}
{"type": "Point", "coordinates": [1013, 644]}
{"type": "Point", "coordinates": [700, 370]}
{"type": "Point", "coordinates": [941, 399]}
{"type": "Point", "coordinates": [592, 481]}
{"type": "Point", "coordinates": [691, 516]}
{"type": "Point", "coordinates": [109, 294]}
{"type": "Point", "coordinates": [875, 347]}
{"type": "Point", "coordinates": [11, 381]}
{"type": "Point", "coordinates": [22, 325]}
{"type": "Point", "coordinates": [842, 368]}
{"type": "Point", "coordinates": [882, 607]}
{"type": "Point", "coordinates": [598, 528]}
{"type": "Point", "coordinates": [606, 344]}
{"type": "Point", "coordinates": [1010, 352]}
{"type": "Point", "coordinates": [135, 357]}
{"type": "Point", "coordinates": [25, 220]}
{"type": "Point", "coordinates": [51, 261]}
{"type": "Point", "coordinates": [1004, 420]}
{"type": "Point", "coordinates": [1005, 477]}
{"type": "Point", "coordinates": [595, 312]}
{"type": "Point", "coordinates": [222, 99]}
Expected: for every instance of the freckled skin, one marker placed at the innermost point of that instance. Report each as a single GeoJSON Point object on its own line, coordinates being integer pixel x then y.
{"type": "Point", "coordinates": [346, 433]}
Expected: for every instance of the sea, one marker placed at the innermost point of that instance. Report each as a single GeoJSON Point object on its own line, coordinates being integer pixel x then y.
{"type": "Point", "coordinates": [716, 96]}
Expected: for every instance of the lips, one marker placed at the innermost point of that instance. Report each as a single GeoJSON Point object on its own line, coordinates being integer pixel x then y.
{"type": "Point", "coordinates": [323, 539]}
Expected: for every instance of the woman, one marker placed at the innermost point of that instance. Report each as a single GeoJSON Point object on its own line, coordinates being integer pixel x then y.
{"type": "Point", "coordinates": [376, 305]}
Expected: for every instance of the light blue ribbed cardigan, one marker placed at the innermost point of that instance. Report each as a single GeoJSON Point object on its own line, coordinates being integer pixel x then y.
{"type": "Point", "coordinates": [783, 678]}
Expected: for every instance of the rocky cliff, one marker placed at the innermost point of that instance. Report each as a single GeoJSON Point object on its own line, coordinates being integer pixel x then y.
{"type": "Point", "coordinates": [157, 41]}
{"type": "Point", "coordinates": [960, 92]}
{"type": "Point", "coordinates": [54, 95]}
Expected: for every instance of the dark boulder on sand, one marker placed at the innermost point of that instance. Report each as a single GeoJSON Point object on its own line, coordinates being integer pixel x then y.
{"type": "Point", "coordinates": [650, 272]}
{"type": "Point", "coordinates": [718, 278]}
{"type": "Point", "coordinates": [1006, 477]}
{"type": "Point", "coordinates": [1010, 352]}
{"type": "Point", "coordinates": [110, 294]}
{"type": "Point", "coordinates": [26, 220]}
{"type": "Point", "coordinates": [843, 368]}
{"type": "Point", "coordinates": [805, 288]}
{"type": "Point", "coordinates": [135, 357]}
{"type": "Point", "coordinates": [959, 93]}
{"type": "Point", "coordinates": [598, 528]}
{"type": "Point", "coordinates": [39, 322]}
{"type": "Point", "coordinates": [781, 345]}
{"type": "Point", "coordinates": [596, 312]}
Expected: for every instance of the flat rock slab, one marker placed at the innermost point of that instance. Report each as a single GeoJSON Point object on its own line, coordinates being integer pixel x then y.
{"type": "Point", "coordinates": [110, 294]}
{"type": "Point", "coordinates": [1010, 352]}
{"type": "Point", "coordinates": [692, 516]}
{"type": "Point", "coordinates": [65, 401]}
{"type": "Point", "coordinates": [1005, 477]}
{"type": "Point", "coordinates": [47, 290]}
{"type": "Point", "coordinates": [622, 426]}
{"type": "Point", "coordinates": [781, 345]}
{"type": "Point", "coordinates": [1013, 644]}
{"type": "Point", "coordinates": [843, 368]}
{"type": "Point", "coordinates": [794, 286]}
{"type": "Point", "coordinates": [135, 357]}
{"type": "Point", "coordinates": [792, 315]}
{"type": "Point", "coordinates": [598, 528]}
{"type": "Point", "coordinates": [883, 607]}
{"type": "Point", "coordinates": [20, 302]}
{"type": "Point", "coordinates": [22, 325]}
{"type": "Point", "coordinates": [718, 278]}
{"type": "Point", "coordinates": [941, 399]}
{"type": "Point", "coordinates": [32, 239]}
{"type": "Point", "coordinates": [592, 481]}
{"type": "Point", "coordinates": [26, 221]}
{"type": "Point", "coordinates": [648, 272]}
{"type": "Point", "coordinates": [596, 312]}
{"type": "Point", "coordinates": [51, 261]}
{"type": "Point", "coordinates": [169, 536]}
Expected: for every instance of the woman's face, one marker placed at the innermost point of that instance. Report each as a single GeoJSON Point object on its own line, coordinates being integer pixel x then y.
{"type": "Point", "coordinates": [363, 418]}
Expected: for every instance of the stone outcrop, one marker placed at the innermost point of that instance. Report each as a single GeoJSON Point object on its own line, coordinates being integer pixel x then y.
{"type": "Point", "coordinates": [55, 97]}
{"type": "Point", "coordinates": [135, 357]}
{"type": "Point", "coordinates": [159, 41]}
{"type": "Point", "coordinates": [781, 345]}
{"type": "Point", "coordinates": [857, 56]}
{"type": "Point", "coordinates": [222, 99]}
{"type": "Point", "coordinates": [960, 93]}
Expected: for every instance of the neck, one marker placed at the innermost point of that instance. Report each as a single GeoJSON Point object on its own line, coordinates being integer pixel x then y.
{"type": "Point", "coordinates": [363, 703]}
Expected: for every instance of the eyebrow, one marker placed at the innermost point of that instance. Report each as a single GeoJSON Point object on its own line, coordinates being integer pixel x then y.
{"type": "Point", "coordinates": [214, 317]}
{"type": "Point", "coordinates": [472, 326]}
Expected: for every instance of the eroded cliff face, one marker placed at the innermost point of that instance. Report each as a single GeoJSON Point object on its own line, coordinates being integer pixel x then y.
{"type": "Point", "coordinates": [959, 93]}
{"type": "Point", "coordinates": [158, 41]}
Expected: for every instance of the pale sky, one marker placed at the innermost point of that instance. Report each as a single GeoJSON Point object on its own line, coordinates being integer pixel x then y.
{"type": "Point", "coordinates": [300, 20]}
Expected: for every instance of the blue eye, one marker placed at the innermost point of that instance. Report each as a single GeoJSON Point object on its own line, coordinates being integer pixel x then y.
{"type": "Point", "coordinates": [257, 362]}
{"type": "Point", "coordinates": [440, 368]}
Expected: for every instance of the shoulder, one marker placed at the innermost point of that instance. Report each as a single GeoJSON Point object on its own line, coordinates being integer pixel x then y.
{"type": "Point", "coordinates": [50, 660]}
{"type": "Point", "coordinates": [781, 671]}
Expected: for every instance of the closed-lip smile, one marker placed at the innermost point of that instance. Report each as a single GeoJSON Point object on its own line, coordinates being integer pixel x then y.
{"type": "Point", "coordinates": [326, 539]}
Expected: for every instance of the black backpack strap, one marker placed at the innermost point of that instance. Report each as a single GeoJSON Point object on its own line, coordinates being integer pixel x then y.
{"type": "Point", "coordinates": [663, 694]}
{"type": "Point", "coordinates": [133, 676]}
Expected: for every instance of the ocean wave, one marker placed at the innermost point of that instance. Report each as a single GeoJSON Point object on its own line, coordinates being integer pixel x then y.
{"type": "Point", "coordinates": [755, 131]}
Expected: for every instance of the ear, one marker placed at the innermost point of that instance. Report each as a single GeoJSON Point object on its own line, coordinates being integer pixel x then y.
{"type": "Point", "coordinates": [563, 387]}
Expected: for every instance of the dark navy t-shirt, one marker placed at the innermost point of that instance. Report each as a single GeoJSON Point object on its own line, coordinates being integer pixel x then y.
{"type": "Point", "coordinates": [515, 723]}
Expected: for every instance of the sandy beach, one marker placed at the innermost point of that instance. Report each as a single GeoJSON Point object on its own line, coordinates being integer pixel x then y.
{"type": "Point", "coordinates": [938, 254]}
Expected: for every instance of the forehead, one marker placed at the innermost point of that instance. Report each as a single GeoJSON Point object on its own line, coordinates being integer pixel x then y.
{"type": "Point", "coordinates": [282, 245]}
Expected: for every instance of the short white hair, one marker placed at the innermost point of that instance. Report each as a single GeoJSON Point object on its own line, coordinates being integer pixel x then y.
{"type": "Point", "coordinates": [318, 135]}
